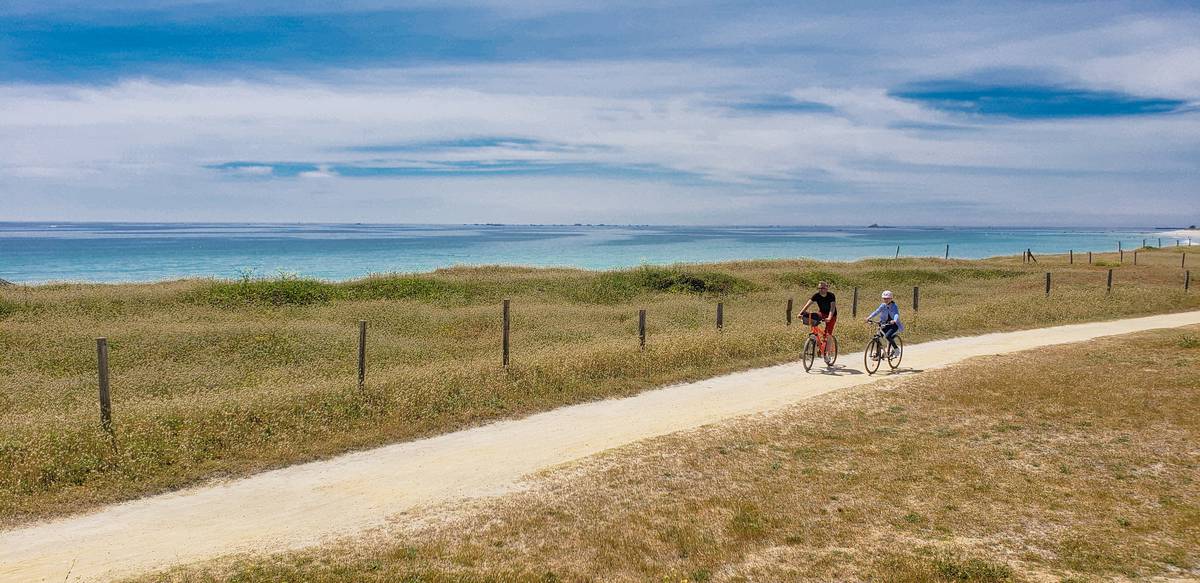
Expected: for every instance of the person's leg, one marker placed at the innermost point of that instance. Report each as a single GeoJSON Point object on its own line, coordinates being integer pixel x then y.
{"type": "Point", "coordinates": [890, 331]}
{"type": "Point", "coordinates": [829, 324]}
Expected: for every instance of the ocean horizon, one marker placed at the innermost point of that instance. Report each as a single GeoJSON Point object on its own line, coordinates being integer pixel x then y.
{"type": "Point", "coordinates": [43, 252]}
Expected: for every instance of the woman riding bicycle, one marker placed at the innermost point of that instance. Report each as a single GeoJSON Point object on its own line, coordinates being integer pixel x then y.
{"type": "Point", "coordinates": [889, 318]}
{"type": "Point", "coordinates": [826, 305]}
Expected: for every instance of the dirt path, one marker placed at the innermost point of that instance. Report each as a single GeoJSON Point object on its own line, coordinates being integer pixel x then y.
{"type": "Point", "coordinates": [305, 504]}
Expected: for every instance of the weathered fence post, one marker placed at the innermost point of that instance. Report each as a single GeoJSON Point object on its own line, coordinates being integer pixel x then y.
{"type": "Point", "coordinates": [1183, 260]}
{"type": "Point", "coordinates": [789, 312]}
{"type": "Point", "coordinates": [1072, 256]}
{"type": "Point", "coordinates": [1187, 280]}
{"type": "Point", "coordinates": [947, 250]}
{"type": "Point", "coordinates": [897, 251]}
{"type": "Point", "coordinates": [1029, 252]}
{"type": "Point", "coordinates": [1110, 280]}
{"type": "Point", "coordinates": [1089, 257]}
{"type": "Point", "coordinates": [642, 329]}
{"type": "Point", "coordinates": [505, 342]}
{"type": "Point", "coordinates": [1135, 256]}
{"type": "Point", "coordinates": [854, 304]}
{"type": "Point", "coordinates": [916, 298]}
{"type": "Point", "coordinates": [720, 316]}
{"type": "Point", "coordinates": [1047, 284]}
{"type": "Point", "coordinates": [1121, 259]}
{"type": "Point", "coordinates": [102, 367]}
{"type": "Point", "coordinates": [362, 353]}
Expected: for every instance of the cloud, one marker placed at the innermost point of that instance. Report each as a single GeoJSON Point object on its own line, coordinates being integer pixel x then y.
{"type": "Point", "coordinates": [567, 112]}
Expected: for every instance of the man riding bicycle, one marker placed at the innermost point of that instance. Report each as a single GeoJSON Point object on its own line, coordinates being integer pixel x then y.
{"type": "Point", "coordinates": [826, 305]}
{"type": "Point", "coordinates": [889, 318]}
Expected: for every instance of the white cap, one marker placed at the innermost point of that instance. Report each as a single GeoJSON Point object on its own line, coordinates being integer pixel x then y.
{"type": "Point", "coordinates": [887, 294]}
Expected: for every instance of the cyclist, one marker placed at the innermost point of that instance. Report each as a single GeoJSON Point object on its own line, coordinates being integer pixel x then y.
{"type": "Point", "coordinates": [889, 316]}
{"type": "Point", "coordinates": [826, 305]}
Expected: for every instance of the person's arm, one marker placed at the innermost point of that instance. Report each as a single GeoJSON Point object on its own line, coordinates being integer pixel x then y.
{"type": "Point", "coordinates": [833, 308]}
{"type": "Point", "coordinates": [872, 314]}
{"type": "Point", "coordinates": [896, 315]}
{"type": "Point", "coordinates": [806, 305]}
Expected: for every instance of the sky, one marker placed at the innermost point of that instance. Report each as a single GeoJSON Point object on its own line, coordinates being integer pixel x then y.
{"type": "Point", "coordinates": [545, 111]}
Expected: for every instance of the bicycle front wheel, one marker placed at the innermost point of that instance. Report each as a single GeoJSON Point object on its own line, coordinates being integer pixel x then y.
{"type": "Point", "coordinates": [895, 355]}
{"type": "Point", "coordinates": [871, 355]}
{"type": "Point", "coordinates": [810, 352]}
{"type": "Point", "coordinates": [831, 350]}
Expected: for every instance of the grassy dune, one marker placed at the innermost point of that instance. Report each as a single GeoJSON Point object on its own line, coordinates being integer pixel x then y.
{"type": "Point", "coordinates": [219, 378]}
{"type": "Point", "coordinates": [1082, 467]}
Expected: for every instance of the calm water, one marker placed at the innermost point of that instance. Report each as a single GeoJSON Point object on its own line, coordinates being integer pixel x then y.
{"type": "Point", "coordinates": [110, 252]}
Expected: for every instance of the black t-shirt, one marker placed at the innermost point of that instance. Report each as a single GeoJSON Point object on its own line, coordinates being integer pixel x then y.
{"type": "Point", "coordinates": [824, 303]}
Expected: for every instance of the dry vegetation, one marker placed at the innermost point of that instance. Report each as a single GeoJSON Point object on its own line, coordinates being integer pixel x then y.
{"type": "Point", "coordinates": [1083, 467]}
{"type": "Point", "coordinates": [218, 378]}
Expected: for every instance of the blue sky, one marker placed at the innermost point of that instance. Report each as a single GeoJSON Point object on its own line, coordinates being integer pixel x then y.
{"type": "Point", "coordinates": [972, 113]}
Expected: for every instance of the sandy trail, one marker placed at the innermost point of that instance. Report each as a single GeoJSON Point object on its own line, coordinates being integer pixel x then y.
{"type": "Point", "coordinates": [302, 505]}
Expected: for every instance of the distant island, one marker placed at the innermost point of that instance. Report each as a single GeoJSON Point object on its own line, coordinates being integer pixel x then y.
{"type": "Point", "coordinates": [878, 226]}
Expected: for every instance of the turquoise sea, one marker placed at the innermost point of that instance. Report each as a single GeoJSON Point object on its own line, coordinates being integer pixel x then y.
{"type": "Point", "coordinates": [117, 252]}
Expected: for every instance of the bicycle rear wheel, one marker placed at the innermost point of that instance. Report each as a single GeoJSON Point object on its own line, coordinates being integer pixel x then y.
{"type": "Point", "coordinates": [831, 350]}
{"type": "Point", "coordinates": [871, 355]}
{"type": "Point", "coordinates": [897, 354]}
{"type": "Point", "coordinates": [810, 352]}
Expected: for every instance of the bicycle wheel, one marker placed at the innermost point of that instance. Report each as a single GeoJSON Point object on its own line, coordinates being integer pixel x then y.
{"type": "Point", "coordinates": [871, 355]}
{"type": "Point", "coordinates": [810, 352]}
{"type": "Point", "coordinates": [894, 359]}
{"type": "Point", "coordinates": [831, 350]}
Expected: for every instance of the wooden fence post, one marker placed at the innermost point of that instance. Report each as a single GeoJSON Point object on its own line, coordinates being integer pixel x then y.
{"type": "Point", "coordinates": [1089, 257]}
{"type": "Point", "coordinates": [1187, 280]}
{"type": "Point", "coordinates": [947, 250]}
{"type": "Point", "coordinates": [789, 312]}
{"type": "Point", "coordinates": [916, 298]}
{"type": "Point", "coordinates": [642, 329]}
{"type": "Point", "coordinates": [854, 304]}
{"type": "Point", "coordinates": [1183, 261]}
{"type": "Point", "coordinates": [1135, 256]}
{"type": "Point", "coordinates": [363, 353]}
{"type": "Point", "coordinates": [897, 251]}
{"type": "Point", "coordinates": [1047, 284]}
{"type": "Point", "coordinates": [1121, 259]}
{"type": "Point", "coordinates": [505, 342]}
{"type": "Point", "coordinates": [1072, 256]}
{"type": "Point", "coordinates": [1110, 280]}
{"type": "Point", "coordinates": [1160, 242]}
{"type": "Point", "coordinates": [102, 367]}
{"type": "Point", "coordinates": [720, 316]}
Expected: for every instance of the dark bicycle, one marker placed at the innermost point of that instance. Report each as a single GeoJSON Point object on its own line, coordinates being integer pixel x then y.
{"type": "Point", "coordinates": [877, 350]}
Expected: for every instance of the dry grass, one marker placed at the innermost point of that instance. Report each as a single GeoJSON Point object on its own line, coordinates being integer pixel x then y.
{"type": "Point", "coordinates": [214, 379]}
{"type": "Point", "coordinates": [1083, 467]}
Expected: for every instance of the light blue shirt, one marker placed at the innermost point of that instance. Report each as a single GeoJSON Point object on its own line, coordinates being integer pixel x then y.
{"type": "Point", "coordinates": [888, 313]}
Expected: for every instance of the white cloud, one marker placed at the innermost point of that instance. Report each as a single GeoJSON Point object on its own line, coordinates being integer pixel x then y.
{"type": "Point", "coordinates": [146, 146]}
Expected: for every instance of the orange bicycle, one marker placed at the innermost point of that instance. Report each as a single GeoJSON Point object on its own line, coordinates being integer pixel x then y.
{"type": "Point", "coordinates": [819, 343]}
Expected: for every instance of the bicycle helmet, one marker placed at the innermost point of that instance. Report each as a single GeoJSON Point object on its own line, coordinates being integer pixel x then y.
{"type": "Point", "coordinates": [887, 294]}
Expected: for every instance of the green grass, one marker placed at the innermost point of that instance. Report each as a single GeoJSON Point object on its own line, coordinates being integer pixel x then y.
{"type": "Point", "coordinates": [219, 378]}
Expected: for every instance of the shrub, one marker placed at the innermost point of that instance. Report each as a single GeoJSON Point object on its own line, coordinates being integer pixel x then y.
{"type": "Point", "coordinates": [614, 286]}
{"type": "Point", "coordinates": [406, 287]}
{"type": "Point", "coordinates": [284, 291]}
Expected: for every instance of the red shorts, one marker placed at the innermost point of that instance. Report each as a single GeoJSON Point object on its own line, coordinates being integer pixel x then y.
{"type": "Point", "coordinates": [829, 322]}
